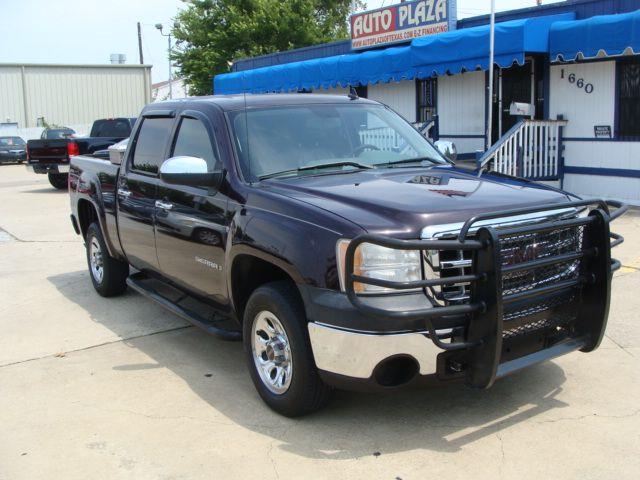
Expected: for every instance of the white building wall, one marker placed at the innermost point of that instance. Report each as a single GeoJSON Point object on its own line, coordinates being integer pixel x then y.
{"type": "Point", "coordinates": [333, 91]}
{"type": "Point", "coordinates": [71, 94]}
{"type": "Point", "coordinates": [400, 96]}
{"type": "Point", "coordinates": [461, 102]}
{"type": "Point", "coordinates": [583, 111]}
{"type": "Point", "coordinates": [11, 105]}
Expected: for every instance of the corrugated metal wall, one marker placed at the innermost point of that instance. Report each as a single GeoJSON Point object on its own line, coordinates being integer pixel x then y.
{"type": "Point", "coordinates": [70, 94]}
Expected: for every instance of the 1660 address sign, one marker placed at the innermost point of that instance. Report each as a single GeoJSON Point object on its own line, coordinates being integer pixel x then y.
{"type": "Point", "coordinates": [579, 82]}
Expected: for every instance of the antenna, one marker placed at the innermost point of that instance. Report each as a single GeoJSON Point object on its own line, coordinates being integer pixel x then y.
{"type": "Point", "coordinates": [353, 93]}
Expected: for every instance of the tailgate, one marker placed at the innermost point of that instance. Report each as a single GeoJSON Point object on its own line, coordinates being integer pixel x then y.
{"type": "Point", "coordinates": [49, 151]}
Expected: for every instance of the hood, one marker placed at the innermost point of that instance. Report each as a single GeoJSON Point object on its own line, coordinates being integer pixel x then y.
{"type": "Point", "coordinates": [402, 201]}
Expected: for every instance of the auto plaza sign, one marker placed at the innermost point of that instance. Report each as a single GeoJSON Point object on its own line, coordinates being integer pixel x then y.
{"type": "Point", "coordinates": [402, 22]}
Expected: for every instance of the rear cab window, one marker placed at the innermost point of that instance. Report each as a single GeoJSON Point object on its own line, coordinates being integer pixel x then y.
{"type": "Point", "coordinates": [117, 127]}
{"type": "Point", "coordinates": [150, 145]}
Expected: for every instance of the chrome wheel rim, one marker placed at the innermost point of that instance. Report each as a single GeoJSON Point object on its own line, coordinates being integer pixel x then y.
{"type": "Point", "coordinates": [271, 352]}
{"type": "Point", "coordinates": [95, 260]}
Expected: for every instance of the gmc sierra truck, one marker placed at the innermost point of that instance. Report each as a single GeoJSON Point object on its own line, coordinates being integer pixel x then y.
{"type": "Point", "coordinates": [341, 247]}
{"type": "Point", "coordinates": [50, 154]}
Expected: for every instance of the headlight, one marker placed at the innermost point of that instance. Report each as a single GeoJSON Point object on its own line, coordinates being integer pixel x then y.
{"type": "Point", "coordinates": [379, 262]}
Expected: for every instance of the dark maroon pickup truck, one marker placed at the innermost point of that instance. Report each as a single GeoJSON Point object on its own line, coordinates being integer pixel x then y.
{"type": "Point", "coordinates": [342, 248]}
{"type": "Point", "coordinates": [51, 156]}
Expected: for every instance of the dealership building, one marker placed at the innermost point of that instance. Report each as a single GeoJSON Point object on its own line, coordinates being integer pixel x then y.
{"type": "Point", "coordinates": [566, 90]}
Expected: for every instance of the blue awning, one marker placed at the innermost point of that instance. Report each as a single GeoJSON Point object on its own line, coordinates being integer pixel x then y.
{"type": "Point", "coordinates": [374, 66]}
{"type": "Point", "coordinates": [467, 49]}
{"type": "Point", "coordinates": [595, 36]}
{"type": "Point", "coordinates": [450, 52]}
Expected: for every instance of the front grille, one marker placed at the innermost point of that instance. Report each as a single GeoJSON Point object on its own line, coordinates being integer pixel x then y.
{"type": "Point", "coordinates": [521, 248]}
{"type": "Point", "coordinates": [523, 318]}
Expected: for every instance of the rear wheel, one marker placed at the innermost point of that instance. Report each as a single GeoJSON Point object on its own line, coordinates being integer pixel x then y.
{"type": "Point", "coordinates": [279, 353]}
{"type": "Point", "coordinates": [59, 180]}
{"type": "Point", "coordinates": [108, 275]}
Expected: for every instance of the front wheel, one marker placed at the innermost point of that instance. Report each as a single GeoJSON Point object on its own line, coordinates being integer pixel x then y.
{"type": "Point", "coordinates": [59, 180]}
{"type": "Point", "coordinates": [108, 275]}
{"type": "Point", "coordinates": [278, 351]}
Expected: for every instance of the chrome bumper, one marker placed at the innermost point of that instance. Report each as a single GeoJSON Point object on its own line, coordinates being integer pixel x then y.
{"type": "Point", "coordinates": [357, 354]}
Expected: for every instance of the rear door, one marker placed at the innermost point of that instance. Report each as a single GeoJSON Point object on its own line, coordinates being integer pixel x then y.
{"type": "Point", "coordinates": [137, 189]}
{"type": "Point", "coordinates": [191, 222]}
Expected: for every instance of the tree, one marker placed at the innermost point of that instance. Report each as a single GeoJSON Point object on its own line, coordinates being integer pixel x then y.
{"type": "Point", "coordinates": [212, 33]}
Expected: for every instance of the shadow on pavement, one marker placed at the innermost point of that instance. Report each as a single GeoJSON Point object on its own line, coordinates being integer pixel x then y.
{"type": "Point", "coordinates": [46, 190]}
{"type": "Point", "coordinates": [354, 425]}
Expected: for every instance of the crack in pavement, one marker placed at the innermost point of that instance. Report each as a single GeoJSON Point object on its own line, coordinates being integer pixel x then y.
{"type": "Point", "coordinates": [590, 415]}
{"type": "Point", "coordinates": [135, 337]}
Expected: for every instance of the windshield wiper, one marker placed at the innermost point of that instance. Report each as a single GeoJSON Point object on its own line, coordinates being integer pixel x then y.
{"type": "Point", "coordinates": [407, 160]}
{"type": "Point", "coordinates": [346, 163]}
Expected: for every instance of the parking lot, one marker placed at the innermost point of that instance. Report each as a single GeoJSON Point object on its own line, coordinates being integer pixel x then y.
{"type": "Point", "coordinates": [119, 388]}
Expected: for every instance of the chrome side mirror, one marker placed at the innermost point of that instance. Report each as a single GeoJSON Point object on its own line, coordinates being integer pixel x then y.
{"type": "Point", "coordinates": [447, 149]}
{"type": "Point", "coordinates": [184, 170]}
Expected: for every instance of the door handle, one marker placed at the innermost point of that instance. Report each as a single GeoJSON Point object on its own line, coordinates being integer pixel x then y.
{"type": "Point", "coordinates": [124, 193]}
{"type": "Point", "coordinates": [164, 205]}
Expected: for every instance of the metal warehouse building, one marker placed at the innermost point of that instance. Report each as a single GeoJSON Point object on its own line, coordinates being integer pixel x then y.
{"type": "Point", "coordinates": [566, 102]}
{"type": "Point", "coordinates": [71, 95]}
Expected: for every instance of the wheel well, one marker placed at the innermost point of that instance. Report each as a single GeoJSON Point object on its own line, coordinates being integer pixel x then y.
{"type": "Point", "coordinates": [247, 274]}
{"type": "Point", "coordinates": [86, 215]}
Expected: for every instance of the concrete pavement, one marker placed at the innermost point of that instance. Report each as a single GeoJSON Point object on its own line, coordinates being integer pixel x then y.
{"type": "Point", "coordinates": [119, 388]}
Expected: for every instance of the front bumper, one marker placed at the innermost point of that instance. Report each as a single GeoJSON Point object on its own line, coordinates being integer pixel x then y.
{"type": "Point", "coordinates": [357, 354]}
{"type": "Point", "coordinates": [499, 330]}
{"type": "Point", "coordinates": [44, 168]}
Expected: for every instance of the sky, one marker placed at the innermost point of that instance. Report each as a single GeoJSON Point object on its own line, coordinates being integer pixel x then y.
{"type": "Point", "coordinates": [88, 31]}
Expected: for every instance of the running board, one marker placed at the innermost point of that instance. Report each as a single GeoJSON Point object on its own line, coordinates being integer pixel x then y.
{"type": "Point", "coordinates": [184, 305]}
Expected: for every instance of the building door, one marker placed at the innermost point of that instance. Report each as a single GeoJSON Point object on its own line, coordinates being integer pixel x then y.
{"type": "Point", "coordinates": [426, 99]}
{"type": "Point", "coordinates": [515, 84]}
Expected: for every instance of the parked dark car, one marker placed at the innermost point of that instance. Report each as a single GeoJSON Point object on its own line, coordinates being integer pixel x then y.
{"type": "Point", "coordinates": [51, 155]}
{"type": "Point", "coordinates": [56, 133]}
{"type": "Point", "coordinates": [12, 149]}
{"type": "Point", "coordinates": [333, 239]}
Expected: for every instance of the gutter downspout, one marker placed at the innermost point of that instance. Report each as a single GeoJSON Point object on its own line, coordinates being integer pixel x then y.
{"type": "Point", "coordinates": [25, 105]}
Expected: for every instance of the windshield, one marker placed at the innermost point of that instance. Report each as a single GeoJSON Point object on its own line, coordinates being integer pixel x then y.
{"type": "Point", "coordinates": [11, 141]}
{"type": "Point", "coordinates": [294, 139]}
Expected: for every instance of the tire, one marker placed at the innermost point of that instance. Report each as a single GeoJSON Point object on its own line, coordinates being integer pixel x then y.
{"type": "Point", "coordinates": [108, 275]}
{"type": "Point", "coordinates": [305, 392]}
{"type": "Point", "coordinates": [59, 180]}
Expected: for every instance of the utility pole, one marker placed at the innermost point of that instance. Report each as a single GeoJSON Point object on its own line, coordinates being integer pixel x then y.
{"type": "Point", "coordinates": [168, 35]}
{"type": "Point", "coordinates": [492, 27]}
{"type": "Point", "coordinates": [140, 44]}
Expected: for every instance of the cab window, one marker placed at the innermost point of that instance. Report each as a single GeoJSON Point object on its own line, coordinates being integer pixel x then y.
{"type": "Point", "coordinates": [193, 140]}
{"type": "Point", "coordinates": [150, 144]}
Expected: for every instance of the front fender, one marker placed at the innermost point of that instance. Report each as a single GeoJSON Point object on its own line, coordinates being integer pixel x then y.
{"type": "Point", "coordinates": [305, 251]}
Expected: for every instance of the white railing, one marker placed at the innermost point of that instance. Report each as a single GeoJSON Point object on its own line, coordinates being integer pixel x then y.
{"type": "Point", "coordinates": [384, 138]}
{"type": "Point", "coordinates": [531, 149]}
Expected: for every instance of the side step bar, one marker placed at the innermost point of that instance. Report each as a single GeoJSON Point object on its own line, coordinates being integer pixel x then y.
{"type": "Point", "coordinates": [150, 288]}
